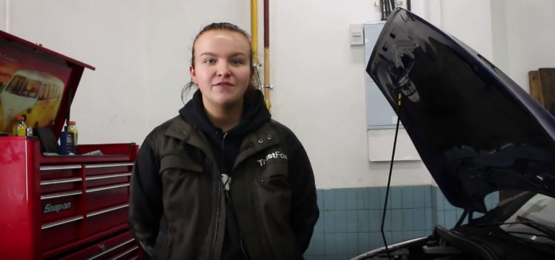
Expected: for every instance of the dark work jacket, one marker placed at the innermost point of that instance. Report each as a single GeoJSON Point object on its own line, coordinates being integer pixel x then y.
{"type": "Point", "coordinates": [181, 209]}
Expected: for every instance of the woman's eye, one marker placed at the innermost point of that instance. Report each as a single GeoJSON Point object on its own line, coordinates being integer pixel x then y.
{"type": "Point", "coordinates": [210, 60]}
{"type": "Point", "coordinates": [236, 62]}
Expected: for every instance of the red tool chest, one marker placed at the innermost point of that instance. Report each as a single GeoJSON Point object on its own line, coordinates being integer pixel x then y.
{"type": "Point", "coordinates": [67, 207]}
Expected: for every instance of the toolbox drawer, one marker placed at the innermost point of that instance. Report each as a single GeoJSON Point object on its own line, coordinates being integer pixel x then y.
{"type": "Point", "coordinates": [101, 220]}
{"type": "Point", "coordinates": [60, 205]}
{"type": "Point", "coordinates": [60, 178]}
{"type": "Point", "coordinates": [107, 196]}
{"type": "Point", "coordinates": [107, 168]}
{"type": "Point", "coordinates": [61, 232]}
{"type": "Point", "coordinates": [121, 246]}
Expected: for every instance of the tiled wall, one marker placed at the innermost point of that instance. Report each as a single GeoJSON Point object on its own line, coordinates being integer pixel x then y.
{"type": "Point", "coordinates": [350, 219]}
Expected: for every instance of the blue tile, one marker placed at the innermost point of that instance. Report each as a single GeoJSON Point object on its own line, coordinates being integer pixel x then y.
{"type": "Point", "coordinates": [387, 222]}
{"type": "Point", "coordinates": [329, 224]}
{"type": "Point", "coordinates": [364, 243]}
{"type": "Point", "coordinates": [383, 191]}
{"type": "Point", "coordinates": [320, 194]}
{"type": "Point", "coordinates": [331, 248]}
{"type": "Point", "coordinates": [329, 200]}
{"type": "Point", "coordinates": [351, 197]}
{"type": "Point", "coordinates": [376, 240]}
{"type": "Point", "coordinates": [431, 219]}
{"type": "Point", "coordinates": [320, 225]}
{"type": "Point", "coordinates": [428, 195]}
{"type": "Point", "coordinates": [397, 220]}
{"type": "Point", "coordinates": [450, 218]}
{"type": "Point", "coordinates": [408, 219]}
{"type": "Point", "coordinates": [408, 197]}
{"type": "Point", "coordinates": [319, 244]}
{"type": "Point", "coordinates": [352, 222]}
{"type": "Point", "coordinates": [440, 215]}
{"type": "Point", "coordinates": [440, 200]}
{"type": "Point", "coordinates": [375, 220]}
{"type": "Point", "coordinates": [362, 198]}
{"type": "Point", "coordinates": [396, 197]}
{"type": "Point", "coordinates": [341, 243]}
{"type": "Point", "coordinates": [396, 237]}
{"type": "Point", "coordinates": [341, 221]}
{"type": "Point", "coordinates": [311, 246]}
{"type": "Point", "coordinates": [340, 198]}
{"type": "Point", "coordinates": [363, 220]}
{"type": "Point", "coordinates": [448, 205]}
{"type": "Point", "coordinates": [421, 234]}
{"type": "Point", "coordinates": [408, 235]}
{"type": "Point", "coordinates": [420, 219]}
{"type": "Point", "coordinates": [419, 197]}
{"type": "Point", "coordinates": [373, 198]}
{"type": "Point", "coordinates": [352, 243]}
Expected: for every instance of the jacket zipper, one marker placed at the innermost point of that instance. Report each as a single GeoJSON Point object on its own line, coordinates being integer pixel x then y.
{"type": "Point", "coordinates": [218, 179]}
{"type": "Point", "coordinates": [226, 186]}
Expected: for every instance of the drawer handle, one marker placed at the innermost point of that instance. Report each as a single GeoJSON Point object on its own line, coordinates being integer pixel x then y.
{"type": "Point", "coordinates": [111, 249]}
{"type": "Point", "coordinates": [51, 182]}
{"type": "Point", "coordinates": [108, 187]}
{"type": "Point", "coordinates": [92, 178]}
{"type": "Point", "coordinates": [61, 222]}
{"type": "Point", "coordinates": [60, 195]}
{"type": "Point", "coordinates": [125, 253]}
{"type": "Point", "coordinates": [93, 166]}
{"type": "Point", "coordinates": [106, 210]}
{"type": "Point", "coordinates": [61, 167]}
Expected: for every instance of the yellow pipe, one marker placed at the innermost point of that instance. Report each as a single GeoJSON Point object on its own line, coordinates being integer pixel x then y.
{"type": "Point", "coordinates": [254, 30]}
{"type": "Point", "coordinates": [267, 77]}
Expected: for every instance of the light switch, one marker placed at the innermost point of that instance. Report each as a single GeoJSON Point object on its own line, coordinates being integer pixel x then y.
{"type": "Point", "coordinates": [356, 34]}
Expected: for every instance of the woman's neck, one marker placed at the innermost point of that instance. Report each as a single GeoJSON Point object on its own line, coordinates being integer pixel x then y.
{"type": "Point", "coordinates": [224, 117]}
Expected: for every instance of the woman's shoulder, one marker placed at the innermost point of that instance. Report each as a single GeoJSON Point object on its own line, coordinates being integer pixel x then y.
{"type": "Point", "coordinates": [286, 133]}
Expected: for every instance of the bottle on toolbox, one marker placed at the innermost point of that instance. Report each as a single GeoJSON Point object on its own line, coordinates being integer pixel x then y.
{"type": "Point", "coordinates": [72, 127]}
{"type": "Point", "coordinates": [20, 129]}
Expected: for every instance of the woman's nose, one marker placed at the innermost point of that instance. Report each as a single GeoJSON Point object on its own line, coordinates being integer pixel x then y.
{"type": "Point", "coordinates": [223, 70]}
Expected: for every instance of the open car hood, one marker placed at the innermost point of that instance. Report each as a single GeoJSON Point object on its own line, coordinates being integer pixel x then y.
{"type": "Point", "coordinates": [475, 129]}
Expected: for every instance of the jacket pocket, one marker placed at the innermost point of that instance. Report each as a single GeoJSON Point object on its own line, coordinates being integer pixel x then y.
{"type": "Point", "coordinates": [275, 176]}
{"type": "Point", "coordinates": [173, 161]}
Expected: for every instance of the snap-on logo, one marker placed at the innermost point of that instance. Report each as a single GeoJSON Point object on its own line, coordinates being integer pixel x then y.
{"type": "Point", "coordinates": [48, 208]}
{"type": "Point", "coordinates": [271, 156]}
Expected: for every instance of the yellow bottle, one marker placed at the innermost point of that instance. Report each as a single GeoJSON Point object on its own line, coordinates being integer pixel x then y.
{"type": "Point", "coordinates": [20, 129]}
{"type": "Point", "coordinates": [73, 128]}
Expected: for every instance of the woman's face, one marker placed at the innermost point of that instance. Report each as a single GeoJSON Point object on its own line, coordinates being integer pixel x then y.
{"type": "Point", "coordinates": [222, 69]}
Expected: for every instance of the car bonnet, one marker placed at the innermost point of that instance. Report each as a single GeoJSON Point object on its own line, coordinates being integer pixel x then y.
{"type": "Point", "coordinates": [475, 129]}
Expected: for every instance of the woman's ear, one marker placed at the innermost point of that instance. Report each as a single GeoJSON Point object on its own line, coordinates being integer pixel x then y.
{"type": "Point", "coordinates": [193, 74]}
{"type": "Point", "coordinates": [253, 70]}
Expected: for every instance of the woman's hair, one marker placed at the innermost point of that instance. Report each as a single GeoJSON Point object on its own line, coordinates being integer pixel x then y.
{"type": "Point", "coordinates": [223, 26]}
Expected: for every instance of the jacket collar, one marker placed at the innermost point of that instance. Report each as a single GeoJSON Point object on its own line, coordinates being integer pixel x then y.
{"type": "Point", "coordinates": [258, 140]}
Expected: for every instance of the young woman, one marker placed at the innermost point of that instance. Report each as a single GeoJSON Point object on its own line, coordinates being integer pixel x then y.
{"type": "Point", "coordinates": [222, 180]}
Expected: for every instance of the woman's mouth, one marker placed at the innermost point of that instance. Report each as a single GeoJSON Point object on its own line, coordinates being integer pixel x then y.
{"type": "Point", "coordinates": [223, 84]}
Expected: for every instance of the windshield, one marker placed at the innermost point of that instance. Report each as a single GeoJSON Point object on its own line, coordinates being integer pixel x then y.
{"type": "Point", "coordinates": [540, 209]}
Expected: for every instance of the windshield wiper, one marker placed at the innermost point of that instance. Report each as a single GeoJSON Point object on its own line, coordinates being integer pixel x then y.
{"type": "Point", "coordinates": [537, 226]}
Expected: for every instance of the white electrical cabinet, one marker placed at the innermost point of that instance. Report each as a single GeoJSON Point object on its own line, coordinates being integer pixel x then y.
{"type": "Point", "coordinates": [381, 119]}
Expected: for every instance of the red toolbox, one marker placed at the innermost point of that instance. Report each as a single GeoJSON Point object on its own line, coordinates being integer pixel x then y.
{"type": "Point", "coordinates": [69, 207]}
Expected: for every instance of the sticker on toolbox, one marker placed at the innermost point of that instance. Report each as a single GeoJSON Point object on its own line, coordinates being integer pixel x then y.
{"type": "Point", "coordinates": [48, 208]}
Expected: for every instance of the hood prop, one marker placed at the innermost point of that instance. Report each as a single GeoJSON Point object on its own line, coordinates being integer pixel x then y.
{"type": "Point", "coordinates": [389, 177]}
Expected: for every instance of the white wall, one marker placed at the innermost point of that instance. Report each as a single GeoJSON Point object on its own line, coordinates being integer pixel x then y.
{"type": "Point", "coordinates": [142, 50]}
{"type": "Point", "coordinates": [530, 37]}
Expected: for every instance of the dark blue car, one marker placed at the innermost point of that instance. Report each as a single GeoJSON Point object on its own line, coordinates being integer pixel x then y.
{"type": "Point", "coordinates": [477, 132]}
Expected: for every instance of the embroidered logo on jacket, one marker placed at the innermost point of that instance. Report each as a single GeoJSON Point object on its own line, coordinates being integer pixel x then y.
{"type": "Point", "coordinates": [271, 156]}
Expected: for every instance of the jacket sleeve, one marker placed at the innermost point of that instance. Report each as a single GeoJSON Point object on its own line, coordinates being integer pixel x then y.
{"type": "Point", "coordinates": [304, 207]}
{"type": "Point", "coordinates": [145, 203]}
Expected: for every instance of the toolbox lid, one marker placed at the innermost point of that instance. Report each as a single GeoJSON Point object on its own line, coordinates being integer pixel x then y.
{"type": "Point", "coordinates": [35, 83]}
